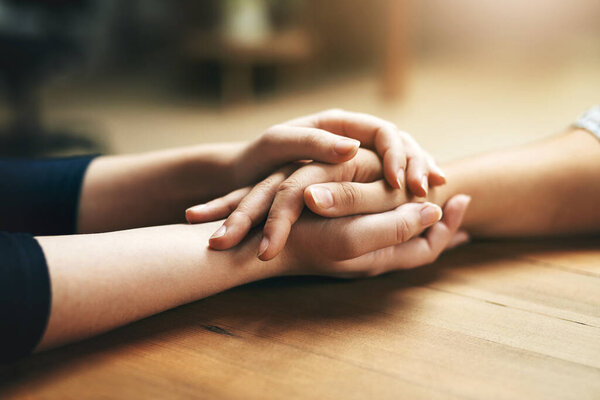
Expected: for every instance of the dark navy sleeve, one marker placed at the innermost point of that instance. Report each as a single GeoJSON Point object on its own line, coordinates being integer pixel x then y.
{"type": "Point", "coordinates": [36, 198]}
{"type": "Point", "coordinates": [41, 196]}
{"type": "Point", "coordinates": [24, 295]}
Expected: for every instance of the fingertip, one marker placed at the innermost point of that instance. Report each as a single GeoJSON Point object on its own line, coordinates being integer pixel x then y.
{"type": "Point", "coordinates": [266, 250]}
{"type": "Point", "coordinates": [401, 178]}
{"type": "Point", "coordinates": [312, 204]}
{"type": "Point", "coordinates": [189, 217]}
{"type": "Point", "coordinates": [465, 198]}
{"type": "Point", "coordinates": [392, 178]}
{"type": "Point", "coordinates": [415, 187]}
{"type": "Point", "coordinates": [436, 180]}
{"type": "Point", "coordinates": [465, 201]}
{"type": "Point", "coordinates": [205, 213]}
{"type": "Point", "coordinates": [218, 244]}
{"type": "Point", "coordinates": [346, 147]}
{"type": "Point", "coordinates": [455, 210]}
{"type": "Point", "coordinates": [263, 246]}
{"type": "Point", "coordinates": [424, 184]}
{"type": "Point", "coordinates": [321, 197]}
{"type": "Point", "coordinates": [273, 241]}
{"type": "Point", "coordinates": [269, 250]}
{"type": "Point", "coordinates": [227, 236]}
{"type": "Point", "coordinates": [218, 240]}
{"type": "Point", "coordinates": [393, 170]}
{"type": "Point", "coordinates": [194, 214]}
{"type": "Point", "coordinates": [223, 242]}
{"type": "Point", "coordinates": [436, 175]}
{"type": "Point", "coordinates": [309, 201]}
{"type": "Point", "coordinates": [430, 214]}
{"type": "Point", "coordinates": [459, 238]}
{"type": "Point", "coordinates": [462, 200]}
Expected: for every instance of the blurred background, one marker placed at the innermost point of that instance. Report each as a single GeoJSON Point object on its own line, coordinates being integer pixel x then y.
{"type": "Point", "coordinates": [128, 76]}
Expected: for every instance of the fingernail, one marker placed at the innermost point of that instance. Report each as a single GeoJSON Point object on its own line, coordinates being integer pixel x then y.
{"type": "Point", "coordinates": [430, 214]}
{"type": "Point", "coordinates": [439, 172]}
{"type": "Point", "coordinates": [220, 232]}
{"type": "Point", "coordinates": [462, 238]}
{"type": "Point", "coordinates": [264, 244]}
{"type": "Point", "coordinates": [322, 197]}
{"type": "Point", "coordinates": [424, 184]}
{"type": "Point", "coordinates": [400, 178]}
{"type": "Point", "coordinates": [197, 208]}
{"type": "Point", "coordinates": [346, 146]}
{"type": "Point", "coordinates": [466, 199]}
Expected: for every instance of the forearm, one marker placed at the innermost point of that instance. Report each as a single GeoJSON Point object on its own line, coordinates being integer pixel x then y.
{"type": "Point", "coordinates": [123, 192]}
{"type": "Point", "coordinates": [101, 281]}
{"type": "Point", "coordinates": [546, 188]}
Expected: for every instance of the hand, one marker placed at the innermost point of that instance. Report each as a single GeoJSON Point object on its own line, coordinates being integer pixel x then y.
{"type": "Point", "coordinates": [368, 245]}
{"type": "Point", "coordinates": [333, 136]}
{"type": "Point", "coordinates": [248, 207]}
{"type": "Point", "coordinates": [284, 194]}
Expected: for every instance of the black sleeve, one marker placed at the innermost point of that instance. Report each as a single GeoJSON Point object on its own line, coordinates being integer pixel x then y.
{"type": "Point", "coordinates": [41, 196]}
{"type": "Point", "coordinates": [24, 294]}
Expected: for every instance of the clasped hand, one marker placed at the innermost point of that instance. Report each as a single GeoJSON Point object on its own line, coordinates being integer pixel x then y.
{"type": "Point", "coordinates": [369, 175]}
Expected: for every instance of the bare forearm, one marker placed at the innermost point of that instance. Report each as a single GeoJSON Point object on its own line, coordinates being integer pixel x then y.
{"type": "Point", "coordinates": [546, 188]}
{"type": "Point", "coordinates": [101, 281]}
{"type": "Point", "coordinates": [123, 192]}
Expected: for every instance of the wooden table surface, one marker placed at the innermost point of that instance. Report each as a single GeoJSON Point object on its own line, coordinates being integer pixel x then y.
{"type": "Point", "coordinates": [510, 320]}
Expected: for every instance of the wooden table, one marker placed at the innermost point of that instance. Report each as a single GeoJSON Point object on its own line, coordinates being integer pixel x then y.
{"type": "Point", "coordinates": [510, 320]}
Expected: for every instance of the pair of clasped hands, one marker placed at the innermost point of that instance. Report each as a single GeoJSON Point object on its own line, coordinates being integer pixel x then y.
{"type": "Point", "coordinates": [365, 183]}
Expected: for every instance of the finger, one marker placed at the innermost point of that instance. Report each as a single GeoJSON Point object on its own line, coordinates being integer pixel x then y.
{"type": "Point", "coordinates": [374, 133]}
{"type": "Point", "coordinates": [459, 238]}
{"type": "Point", "coordinates": [281, 144]}
{"type": "Point", "coordinates": [351, 237]}
{"type": "Point", "coordinates": [338, 199]}
{"type": "Point", "coordinates": [428, 248]}
{"type": "Point", "coordinates": [251, 210]}
{"type": "Point", "coordinates": [417, 173]}
{"type": "Point", "coordinates": [216, 209]}
{"type": "Point", "coordinates": [389, 144]}
{"type": "Point", "coordinates": [418, 251]}
{"type": "Point", "coordinates": [289, 200]}
{"type": "Point", "coordinates": [436, 175]}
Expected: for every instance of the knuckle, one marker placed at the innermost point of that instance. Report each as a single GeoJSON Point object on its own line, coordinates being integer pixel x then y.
{"type": "Point", "coordinates": [403, 232]}
{"type": "Point", "coordinates": [334, 111]}
{"type": "Point", "coordinates": [278, 222]}
{"type": "Point", "coordinates": [270, 135]}
{"type": "Point", "coordinates": [349, 194]}
{"type": "Point", "coordinates": [311, 140]}
{"type": "Point", "coordinates": [243, 216]}
{"type": "Point", "coordinates": [267, 183]}
{"type": "Point", "coordinates": [230, 207]}
{"type": "Point", "coordinates": [290, 186]}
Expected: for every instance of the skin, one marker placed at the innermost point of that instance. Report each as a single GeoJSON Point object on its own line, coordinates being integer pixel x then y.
{"type": "Point", "coordinates": [105, 280]}
{"type": "Point", "coordinates": [404, 166]}
{"type": "Point", "coordinates": [102, 279]}
{"type": "Point", "coordinates": [123, 192]}
{"type": "Point", "coordinates": [548, 188]}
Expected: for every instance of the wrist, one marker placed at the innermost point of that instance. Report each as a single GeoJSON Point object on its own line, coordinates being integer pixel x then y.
{"type": "Point", "coordinates": [207, 171]}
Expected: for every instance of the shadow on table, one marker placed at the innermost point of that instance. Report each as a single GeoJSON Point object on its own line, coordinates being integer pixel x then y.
{"type": "Point", "coordinates": [276, 305]}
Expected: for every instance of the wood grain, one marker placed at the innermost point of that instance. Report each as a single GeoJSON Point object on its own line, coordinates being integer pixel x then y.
{"type": "Point", "coordinates": [499, 320]}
